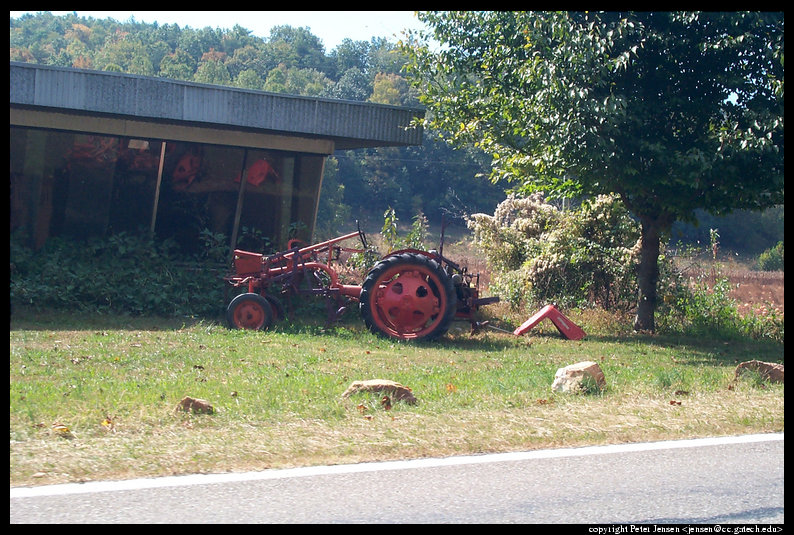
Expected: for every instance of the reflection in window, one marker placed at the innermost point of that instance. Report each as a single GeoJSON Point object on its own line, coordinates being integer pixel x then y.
{"type": "Point", "coordinates": [79, 185]}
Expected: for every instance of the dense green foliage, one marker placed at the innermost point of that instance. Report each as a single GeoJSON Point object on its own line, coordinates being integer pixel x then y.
{"type": "Point", "coordinates": [772, 259]}
{"type": "Point", "coordinates": [136, 274]}
{"type": "Point", "coordinates": [120, 274]}
{"type": "Point", "coordinates": [672, 111]}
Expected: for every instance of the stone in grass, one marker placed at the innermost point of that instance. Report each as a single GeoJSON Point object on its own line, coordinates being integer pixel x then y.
{"type": "Point", "coordinates": [768, 371]}
{"type": "Point", "coordinates": [196, 405]}
{"type": "Point", "coordinates": [397, 391]}
{"type": "Point", "coordinates": [580, 377]}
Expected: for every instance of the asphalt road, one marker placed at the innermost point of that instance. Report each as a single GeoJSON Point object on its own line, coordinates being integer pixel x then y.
{"type": "Point", "coordinates": [733, 480]}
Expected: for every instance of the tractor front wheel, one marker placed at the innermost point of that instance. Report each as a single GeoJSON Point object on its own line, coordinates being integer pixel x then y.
{"type": "Point", "coordinates": [408, 296]}
{"type": "Point", "coordinates": [249, 311]}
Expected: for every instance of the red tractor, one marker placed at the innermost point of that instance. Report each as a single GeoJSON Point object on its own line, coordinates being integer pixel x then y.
{"type": "Point", "coordinates": [408, 294]}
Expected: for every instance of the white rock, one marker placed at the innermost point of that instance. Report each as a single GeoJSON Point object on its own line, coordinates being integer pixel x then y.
{"type": "Point", "coordinates": [570, 378]}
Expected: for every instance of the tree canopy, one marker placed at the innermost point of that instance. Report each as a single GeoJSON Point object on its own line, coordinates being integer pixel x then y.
{"type": "Point", "coordinates": [673, 111]}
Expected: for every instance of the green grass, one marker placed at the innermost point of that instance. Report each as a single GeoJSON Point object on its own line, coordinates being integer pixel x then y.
{"type": "Point", "coordinates": [115, 382]}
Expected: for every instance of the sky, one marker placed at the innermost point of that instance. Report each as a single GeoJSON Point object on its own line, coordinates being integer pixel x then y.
{"type": "Point", "coordinates": [332, 27]}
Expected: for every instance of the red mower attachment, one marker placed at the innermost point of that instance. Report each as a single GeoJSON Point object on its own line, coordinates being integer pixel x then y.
{"type": "Point", "coordinates": [567, 328]}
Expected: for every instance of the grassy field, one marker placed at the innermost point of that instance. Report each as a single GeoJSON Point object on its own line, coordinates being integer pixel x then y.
{"type": "Point", "coordinates": [94, 398]}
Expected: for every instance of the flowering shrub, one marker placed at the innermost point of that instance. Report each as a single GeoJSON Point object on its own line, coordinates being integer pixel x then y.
{"type": "Point", "coordinates": [511, 235]}
{"type": "Point", "coordinates": [541, 254]}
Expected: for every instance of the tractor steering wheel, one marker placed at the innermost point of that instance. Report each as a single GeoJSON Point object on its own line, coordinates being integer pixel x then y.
{"type": "Point", "coordinates": [362, 236]}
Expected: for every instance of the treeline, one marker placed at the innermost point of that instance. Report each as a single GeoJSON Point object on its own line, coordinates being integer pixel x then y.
{"type": "Point", "coordinates": [432, 179]}
{"type": "Point", "coordinates": [292, 60]}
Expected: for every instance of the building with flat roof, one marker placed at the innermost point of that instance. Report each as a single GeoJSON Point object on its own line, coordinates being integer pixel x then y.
{"type": "Point", "coordinates": [96, 152]}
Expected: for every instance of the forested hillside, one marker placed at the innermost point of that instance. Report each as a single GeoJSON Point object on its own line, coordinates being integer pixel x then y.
{"type": "Point", "coordinates": [431, 179]}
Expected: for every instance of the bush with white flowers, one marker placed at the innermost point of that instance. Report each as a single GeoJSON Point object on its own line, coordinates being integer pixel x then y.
{"type": "Point", "coordinates": [578, 257]}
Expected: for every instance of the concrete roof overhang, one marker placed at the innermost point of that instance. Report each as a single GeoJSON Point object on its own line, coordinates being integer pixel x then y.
{"type": "Point", "coordinates": [141, 106]}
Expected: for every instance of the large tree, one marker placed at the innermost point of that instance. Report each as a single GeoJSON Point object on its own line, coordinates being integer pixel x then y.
{"type": "Point", "coordinates": [672, 111]}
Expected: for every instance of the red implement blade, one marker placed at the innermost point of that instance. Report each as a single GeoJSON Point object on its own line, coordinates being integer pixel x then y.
{"type": "Point", "coordinates": [567, 328]}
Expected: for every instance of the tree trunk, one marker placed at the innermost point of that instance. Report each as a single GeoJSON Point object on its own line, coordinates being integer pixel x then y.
{"type": "Point", "coordinates": [648, 274]}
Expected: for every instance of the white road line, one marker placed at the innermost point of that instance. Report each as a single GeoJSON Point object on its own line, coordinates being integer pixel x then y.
{"type": "Point", "coordinates": [206, 479]}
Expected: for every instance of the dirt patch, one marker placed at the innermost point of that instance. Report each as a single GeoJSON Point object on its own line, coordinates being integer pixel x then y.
{"type": "Point", "coordinates": [755, 292]}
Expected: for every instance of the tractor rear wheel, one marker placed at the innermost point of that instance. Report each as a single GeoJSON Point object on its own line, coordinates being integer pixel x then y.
{"type": "Point", "coordinates": [408, 296]}
{"type": "Point", "coordinates": [276, 308]}
{"type": "Point", "coordinates": [249, 311]}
